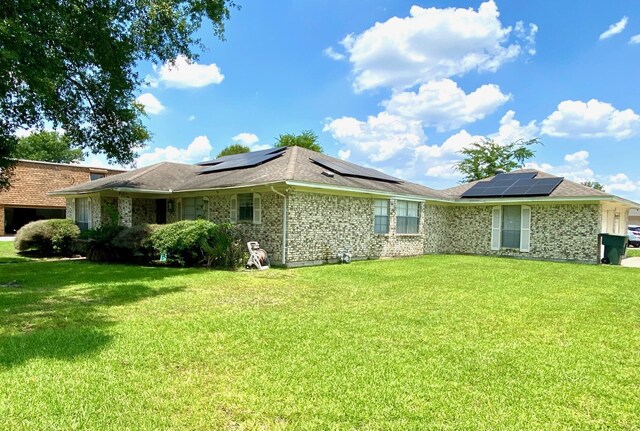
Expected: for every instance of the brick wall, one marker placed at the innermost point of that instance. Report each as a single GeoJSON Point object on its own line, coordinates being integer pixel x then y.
{"type": "Point", "coordinates": [558, 231]}
{"type": "Point", "coordinates": [32, 180]}
{"type": "Point", "coordinates": [319, 226]}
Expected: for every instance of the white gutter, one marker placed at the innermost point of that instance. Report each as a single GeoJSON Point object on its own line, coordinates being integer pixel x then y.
{"type": "Point", "coordinates": [284, 225]}
{"type": "Point", "coordinates": [114, 189]}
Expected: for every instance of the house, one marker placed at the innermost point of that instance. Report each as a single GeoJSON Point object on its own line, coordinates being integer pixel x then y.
{"type": "Point", "coordinates": [634, 216]}
{"type": "Point", "coordinates": [305, 208]}
{"type": "Point", "coordinates": [27, 199]}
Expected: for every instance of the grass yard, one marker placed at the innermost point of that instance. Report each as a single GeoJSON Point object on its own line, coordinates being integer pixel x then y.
{"type": "Point", "coordinates": [435, 342]}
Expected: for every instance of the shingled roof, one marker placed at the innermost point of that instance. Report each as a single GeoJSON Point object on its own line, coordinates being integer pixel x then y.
{"type": "Point", "coordinates": [294, 166]}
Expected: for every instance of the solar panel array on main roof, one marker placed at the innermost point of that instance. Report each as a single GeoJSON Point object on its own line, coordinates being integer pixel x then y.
{"type": "Point", "coordinates": [351, 170]}
{"type": "Point", "coordinates": [240, 161]}
{"type": "Point", "coordinates": [518, 184]}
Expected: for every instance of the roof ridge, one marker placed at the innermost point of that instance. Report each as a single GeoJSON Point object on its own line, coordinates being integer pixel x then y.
{"type": "Point", "coordinates": [289, 172]}
{"type": "Point", "coordinates": [146, 170]}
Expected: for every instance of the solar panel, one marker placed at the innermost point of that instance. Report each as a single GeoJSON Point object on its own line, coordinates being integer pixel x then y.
{"type": "Point", "coordinates": [518, 184]}
{"type": "Point", "coordinates": [241, 161]}
{"type": "Point", "coordinates": [242, 156]}
{"type": "Point", "coordinates": [351, 170]}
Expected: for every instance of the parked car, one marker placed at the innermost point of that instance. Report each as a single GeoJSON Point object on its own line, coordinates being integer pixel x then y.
{"type": "Point", "coordinates": [634, 237]}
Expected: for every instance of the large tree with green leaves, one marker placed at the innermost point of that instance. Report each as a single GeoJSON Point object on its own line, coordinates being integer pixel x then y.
{"type": "Point", "coordinates": [594, 185]}
{"type": "Point", "coordinates": [47, 146]}
{"type": "Point", "coordinates": [307, 139]}
{"type": "Point", "coordinates": [483, 158]}
{"type": "Point", "coordinates": [72, 63]}
{"type": "Point", "coordinates": [233, 149]}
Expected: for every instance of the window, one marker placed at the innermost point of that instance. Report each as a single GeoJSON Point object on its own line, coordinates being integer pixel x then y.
{"type": "Point", "coordinates": [511, 221]}
{"type": "Point", "coordinates": [83, 213]}
{"type": "Point", "coordinates": [246, 207]}
{"type": "Point", "coordinates": [408, 217]}
{"type": "Point", "coordinates": [511, 227]}
{"type": "Point", "coordinates": [96, 175]}
{"type": "Point", "coordinates": [193, 208]}
{"type": "Point", "coordinates": [381, 216]}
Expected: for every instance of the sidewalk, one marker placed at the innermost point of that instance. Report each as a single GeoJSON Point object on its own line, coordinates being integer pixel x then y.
{"type": "Point", "coordinates": [6, 238]}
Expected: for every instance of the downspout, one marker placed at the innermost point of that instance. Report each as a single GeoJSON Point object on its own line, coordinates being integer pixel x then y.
{"type": "Point", "coordinates": [284, 225]}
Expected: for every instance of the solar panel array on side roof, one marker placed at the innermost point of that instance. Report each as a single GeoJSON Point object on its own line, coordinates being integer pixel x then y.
{"type": "Point", "coordinates": [351, 170]}
{"type": "Point", "coordinates": [519, 184]}
{"type": "Point", "coordinates": [241, 161]}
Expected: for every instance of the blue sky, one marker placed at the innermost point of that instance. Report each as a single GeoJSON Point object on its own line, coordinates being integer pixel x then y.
{"type": "Point", "coordinates": [403, 86]}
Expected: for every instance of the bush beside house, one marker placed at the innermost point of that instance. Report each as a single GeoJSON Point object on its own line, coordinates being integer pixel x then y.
{"type": "Point", "coordinates": [184, 243]}
{"type": "Point", "coordinates": [54, 237]}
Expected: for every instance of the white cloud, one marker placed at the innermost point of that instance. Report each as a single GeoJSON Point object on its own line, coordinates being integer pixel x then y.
{"type": "Point", "coordinates": [433, 43]}
{"type": "Point", "coordinates": [197, 151]}
{"type": "Point", "coordinates": [184, 74]}
{"type": "Point", "coordinates": [192, 117]}
{"type": "Point", "coordinates": [379, 138]}
{"type": "Point", "coordinates": [249, 140]}
{"type": "Point", "coordinates": [529, 37]}
{"type": "Point", "coordinates": [511, 130]}
{"type": "Point", "coordinates": [333, 54]}
{"type": "Point", "coordinates": [446, 170]}
{"type": "Point", "coordinates": [151, 105]}
{"type": "Point", "coordinates": [344, 154]}
{"type": "Point", "coordinates": [444, 105]}
{"type": "Point", "coordinates": [615, 28]}
{"type": "Point", "coordinates": [635, 39]}
{"type": "Point", "coordinates": [622, 183]}
{"type": "Point", "coordinates": [593, 119]}
{"type": "Point", "coordinates": [575, 168]}
{"type": "Point", "coordinates": [450, 147]}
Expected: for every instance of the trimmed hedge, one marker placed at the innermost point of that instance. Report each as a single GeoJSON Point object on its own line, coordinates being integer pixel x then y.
{"type": "Point", "coordinates": [54, 237]}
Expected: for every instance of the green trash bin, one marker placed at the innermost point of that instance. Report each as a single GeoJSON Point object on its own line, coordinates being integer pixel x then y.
{"type": "Point", "coordinates": [615, 246]}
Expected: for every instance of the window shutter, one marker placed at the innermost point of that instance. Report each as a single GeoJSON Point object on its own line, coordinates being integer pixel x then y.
{"type": "Point", "coordinates": [496, 227]}
{"type": "Point", "coordinates": [525, 228]}
{"type": "Point", "coordinates": [233, 210]}
{"type": "Point", "coordinates": [257, 209]}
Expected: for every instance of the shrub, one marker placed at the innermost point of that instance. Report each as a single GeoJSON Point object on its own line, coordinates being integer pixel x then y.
{"type": "Point", "coordinates": [135, 242]}
{"type": "Point", "coordinates": [222, 248]}
{"type": "Point", "coordinates": [98, 246]}
{"type": "Point", "coordinates": [54, 237]}
{"type": "Point", "coordinates": [181, 242]}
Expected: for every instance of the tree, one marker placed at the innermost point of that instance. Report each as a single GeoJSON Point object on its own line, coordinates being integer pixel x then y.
{"type": "Point", "coordinates": [307, 139]}
{"type": "Point", "coordinates": [234, 149]}
{"type": "Point", "coordinates": [71, 64]}
{"type": "Point", "coordinates": [47, 146]}
{"type": "Point", "coordinates": [482, 159]}
{"type": "Point", "coordinates": [594, 185]}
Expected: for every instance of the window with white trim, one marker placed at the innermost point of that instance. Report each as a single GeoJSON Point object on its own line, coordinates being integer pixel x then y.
{"type": "Point", "coordinates": [511, 227]}
{"type": "Point", "coordinates": [381, 216]}
{"type": "Point", "coordinates": [83, 213]}
{"type": "Point", "coordinates": [194, 208]}
{"type": "Point", "coordinates": [246, 207]}
{"type": "Point", "coordinates": [407, 217]}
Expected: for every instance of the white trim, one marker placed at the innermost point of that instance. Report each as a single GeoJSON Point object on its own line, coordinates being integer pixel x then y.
{"type": "Point", "coordinates": [496, 228]}
{"type": "Point", "coordinates": [257, 208]}
{"type": "Point", "coordinates": [525, 228]}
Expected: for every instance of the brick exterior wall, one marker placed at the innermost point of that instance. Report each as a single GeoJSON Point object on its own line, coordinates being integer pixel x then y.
{"type": "Point", "coordinates": [558, 231]}
{"type": "Point", "coordinates": [144, 211]}
{"type": "Point", "coordinates": [319, 226]}
{"type": "Point", "coordinates": [32, 180]}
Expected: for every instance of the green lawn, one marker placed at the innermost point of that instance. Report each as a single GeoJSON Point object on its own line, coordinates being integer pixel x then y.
{"type": "Point", "coordinates": [436, 342]}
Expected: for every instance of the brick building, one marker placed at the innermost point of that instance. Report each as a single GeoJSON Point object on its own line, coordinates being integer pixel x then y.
{"type": "Point", "coordinates": [27, 199]}
{"type": "Point", "coordinates": [307, 208]}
